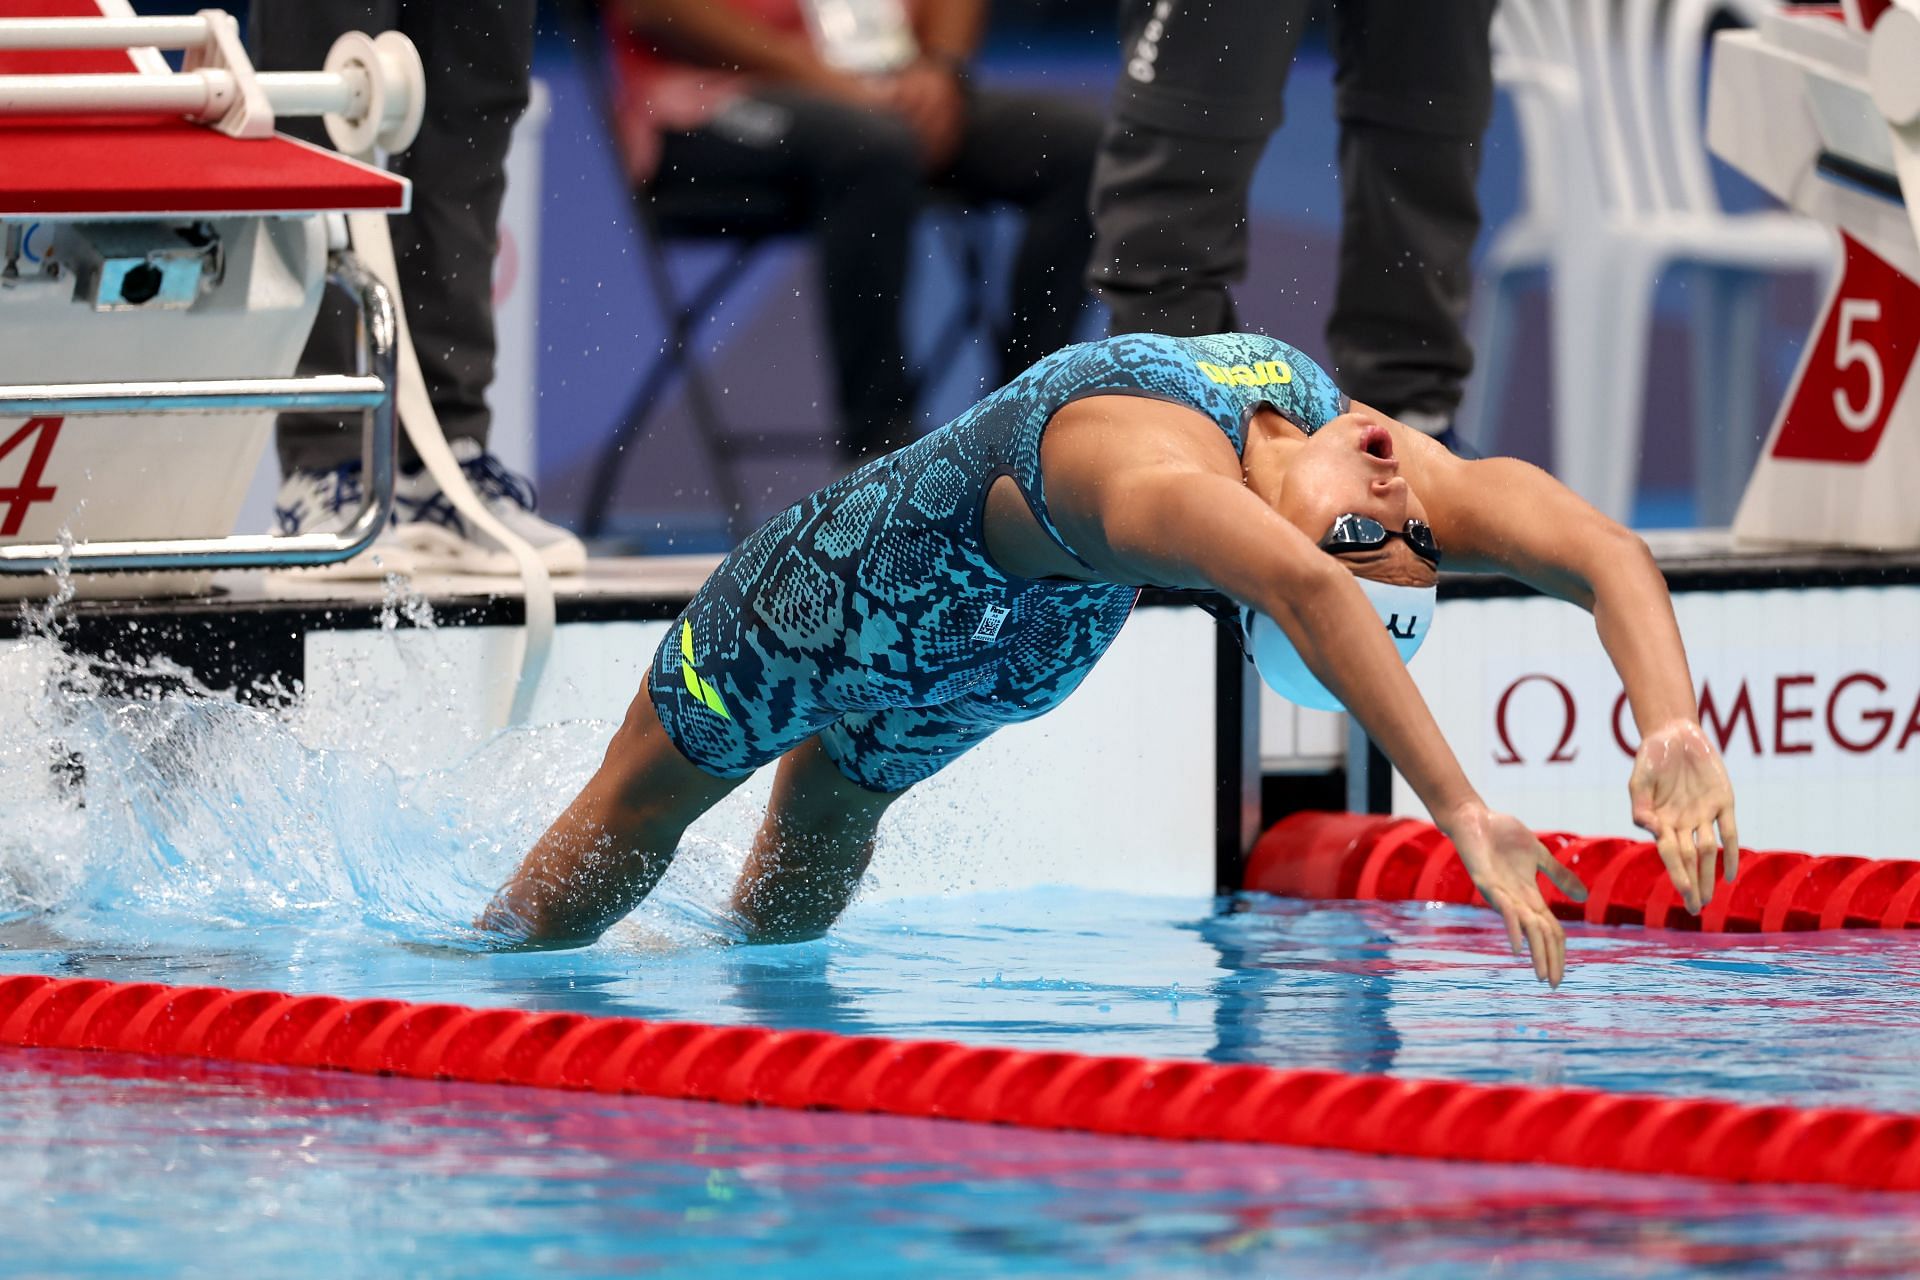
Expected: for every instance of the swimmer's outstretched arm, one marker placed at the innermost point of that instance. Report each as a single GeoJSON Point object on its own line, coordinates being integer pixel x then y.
{"type": "Point", "coordinates": [1199, 528]}
{"type": "Point", "coordinates": [1507, 516]}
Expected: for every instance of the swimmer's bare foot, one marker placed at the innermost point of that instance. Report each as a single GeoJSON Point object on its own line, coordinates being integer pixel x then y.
{"type": "Point", "coordinates": [501, 928]}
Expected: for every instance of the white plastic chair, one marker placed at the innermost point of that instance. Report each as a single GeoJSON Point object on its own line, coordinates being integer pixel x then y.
{"type": "Point", "coordinates": [1618, 191]}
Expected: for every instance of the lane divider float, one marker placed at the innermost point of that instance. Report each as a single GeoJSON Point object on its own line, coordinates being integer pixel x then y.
{"type": "Point", "coordinates": [1383, 859]}
{"type": "Point", "coordinates": [818, 1070]}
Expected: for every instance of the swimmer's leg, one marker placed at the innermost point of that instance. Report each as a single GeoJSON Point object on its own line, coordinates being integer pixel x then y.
{"type": "Point", "coordinates": [811, 850]}
{"type": "Point", "coordinates": [613, 843]}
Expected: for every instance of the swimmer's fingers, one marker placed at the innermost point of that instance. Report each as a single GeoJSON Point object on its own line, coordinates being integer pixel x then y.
{"type": "Point", "coordinates": [1539, 949]}
{"type": "Point", "coordinates": [1666, 839]}
{"type": "Point", "coordinates": [1729, 842]}
{"type": "Point", "coordinates": [1517, 936]}
{"type": "Point", "coordinates": [1698, 839]}
{"type": "Point", "coordinates": [1558, 935]}
{"type": "Point", "coordinates": [1545, 942]}
{"type": "Point", "coordinates": [1548, 942]}
{"type": "Point", "coordinates": [1509, 916]}
{"type": "Point", "coordinates": [1563, 877]}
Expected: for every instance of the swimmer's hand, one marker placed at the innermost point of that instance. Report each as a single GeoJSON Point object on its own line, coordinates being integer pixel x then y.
{"type": "Point", "coordinates": [1505, 861]}
{"type": "Point", "coordinates": [1680, 794]}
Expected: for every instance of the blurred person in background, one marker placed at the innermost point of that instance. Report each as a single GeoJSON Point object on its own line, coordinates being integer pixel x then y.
{"type": "Point", "coordinates": [478, 59]}
{"type": "Point", "coordinates": [738, 113]}
{"type": "Point", "coordinates": [1199, 97]}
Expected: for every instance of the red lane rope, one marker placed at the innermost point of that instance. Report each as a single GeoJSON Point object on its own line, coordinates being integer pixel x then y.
{"type": "Point", "coordinates": [1385, 1115]}
{"type": "Point", "coordinates": [1377, 859]}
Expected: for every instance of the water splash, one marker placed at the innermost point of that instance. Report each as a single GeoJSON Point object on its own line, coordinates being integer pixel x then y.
{"type": "Point", "coordinates": [400, 602]}
{"type": "Point", "coordinates": [140, 808]}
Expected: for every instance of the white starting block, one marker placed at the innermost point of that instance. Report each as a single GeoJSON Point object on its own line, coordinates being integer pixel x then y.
{"type": "Point", "coordinates": [1821, 107]}
{"type": "Point", "coordinates": [162, 255]}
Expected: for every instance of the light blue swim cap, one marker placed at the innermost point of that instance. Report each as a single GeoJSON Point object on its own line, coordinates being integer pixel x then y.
{"type": "Point", "coordinates": [1406, 611]}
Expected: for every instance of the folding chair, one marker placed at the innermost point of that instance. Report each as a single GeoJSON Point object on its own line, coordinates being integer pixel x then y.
{"type": "Point", "coordinates": [1618, 192]}
{"type": "Point", "coordinates": [717, 217]}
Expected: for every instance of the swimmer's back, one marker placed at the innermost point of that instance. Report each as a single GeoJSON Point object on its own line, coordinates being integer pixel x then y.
{"type": "Point", "coordinates": [1226, 377]}
{"type": "Point", "coordinates": [872, 613]}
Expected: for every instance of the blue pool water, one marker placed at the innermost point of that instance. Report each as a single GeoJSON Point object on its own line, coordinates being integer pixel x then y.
{"type": "Point", "coordinates": [1403, 989]}
{"type": "Point", "coordinates": [213, 844]}
{"type": "Point", "coordinates": [117, 1168]}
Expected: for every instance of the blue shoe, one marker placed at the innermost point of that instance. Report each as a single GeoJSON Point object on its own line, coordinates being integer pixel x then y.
{"type": "Point", "coordinates": [439, 540]}
{"type": "Point", "coordinates": [324, 502]}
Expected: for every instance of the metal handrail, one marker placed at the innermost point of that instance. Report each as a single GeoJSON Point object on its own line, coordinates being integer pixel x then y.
{"type": "Point", "coordinates": [234, 395]}
{"type": "Point", "coordinates": [370, 389]}
{"type": "Point", "coordinates": [105, 33]}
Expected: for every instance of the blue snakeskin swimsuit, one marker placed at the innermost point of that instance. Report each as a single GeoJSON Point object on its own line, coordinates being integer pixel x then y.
{"type": "Point", "coordinates": [870, 612]}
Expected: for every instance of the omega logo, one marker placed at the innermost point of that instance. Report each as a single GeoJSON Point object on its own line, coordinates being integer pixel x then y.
{"type": "Point", "coordinates": [1570, 716]}
{"type": "Point", "coordinates": [1787, 718]}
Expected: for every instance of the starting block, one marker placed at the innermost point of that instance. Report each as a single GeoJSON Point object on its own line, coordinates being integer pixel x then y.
{"type": "Point", "coordinates": [162, 257]}
{"type": "Point", "coordinates": [1821, 107]}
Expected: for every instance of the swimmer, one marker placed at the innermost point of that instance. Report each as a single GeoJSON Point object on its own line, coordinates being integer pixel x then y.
{"type": "Point", "coordinates": [873, 632]}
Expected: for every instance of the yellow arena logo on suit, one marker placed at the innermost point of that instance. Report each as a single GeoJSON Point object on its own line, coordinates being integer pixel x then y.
{"type": "Point", "coordinates": [1267, 373]}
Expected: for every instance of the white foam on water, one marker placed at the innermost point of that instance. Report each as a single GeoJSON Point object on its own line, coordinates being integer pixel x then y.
{"type": "Point", "coordinates": [139, 807]}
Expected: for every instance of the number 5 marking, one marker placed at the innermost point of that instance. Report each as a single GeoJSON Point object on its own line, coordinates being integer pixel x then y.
{"type": "Point", "coordinates": [29, 490]}
{"type": "Point", "coordinates": [1849, 351]}
{"type": "Point", "coordinates": [1872, 322]}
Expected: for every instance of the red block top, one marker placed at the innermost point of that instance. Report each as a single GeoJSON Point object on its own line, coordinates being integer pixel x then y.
{"type": "Point", "coordinates": [152, 165]}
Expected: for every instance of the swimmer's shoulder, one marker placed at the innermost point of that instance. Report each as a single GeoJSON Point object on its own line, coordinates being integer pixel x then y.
{"type": "Point", "coordinates": [1155, 363]}
{"type": "Point", "coordinates": [1272, 371]}
{"type": "Point", "coordinates": [1218, 374]}
{"type": "Point", "coordinates": [1215, 359]}
{"type": "Point", "coordinates": [1122, 351]}
{"type": "Point", "coordinates": [1242, 351]}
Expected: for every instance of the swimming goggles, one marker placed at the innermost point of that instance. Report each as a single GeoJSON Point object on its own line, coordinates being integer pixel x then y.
{"type": "Point", "coordinates": [1353, 532]}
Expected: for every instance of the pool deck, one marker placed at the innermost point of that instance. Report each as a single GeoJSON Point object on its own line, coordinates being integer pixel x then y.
{"type": "Point", "coordinates": [251, 626]}
{"type": "Point", "coordinates": [1711, 560]}
{"type": "Point", "coordinates": [655, 586]}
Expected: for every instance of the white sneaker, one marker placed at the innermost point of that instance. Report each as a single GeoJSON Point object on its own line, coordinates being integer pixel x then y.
{"type": "Point", "coordinates": [439, 540]}
{"type": "Point", "coordinates": [323, 502]}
